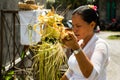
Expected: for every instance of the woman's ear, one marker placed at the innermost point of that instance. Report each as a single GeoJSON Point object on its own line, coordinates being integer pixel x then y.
{"type": "Point", "coordinates": [92, 24]}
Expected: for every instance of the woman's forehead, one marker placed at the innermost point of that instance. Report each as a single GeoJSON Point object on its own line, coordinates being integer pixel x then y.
{"type": "Point", "coordinates": [77, 18]}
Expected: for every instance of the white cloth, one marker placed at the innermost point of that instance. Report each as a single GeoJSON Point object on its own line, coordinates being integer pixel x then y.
{"type": "Point", "coordinates": [97, 51]}
{"type": "Point", "coordinates": [29, 18]}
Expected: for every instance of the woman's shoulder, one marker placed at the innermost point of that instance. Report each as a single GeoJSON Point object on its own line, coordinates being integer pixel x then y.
{"type": "Point", "coordinates": [98, 39]}
{"type": "Point", "coordinates": [102, 41]}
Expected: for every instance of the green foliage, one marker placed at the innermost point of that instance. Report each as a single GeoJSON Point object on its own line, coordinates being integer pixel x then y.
{"type": "Point", "coordinates": [113, 37]}
{"type": "Point", "coordinates": [65, 3]}
{"type": "Point", "coordinates": [9, 75]}
{"type": "Point", "coordinates": [22, 55]}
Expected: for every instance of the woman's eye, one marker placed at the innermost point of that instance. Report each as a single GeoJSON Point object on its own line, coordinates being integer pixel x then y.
{"type": "Point", "coordinates": [78, 26]}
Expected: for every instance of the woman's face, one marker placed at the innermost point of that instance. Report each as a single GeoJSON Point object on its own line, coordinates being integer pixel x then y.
{"type": "Point", "coordinates": [82, 29]}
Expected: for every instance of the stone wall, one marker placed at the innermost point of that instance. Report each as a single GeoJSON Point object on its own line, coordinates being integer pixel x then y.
{"type": "Point", "coordinates": [8, 4]}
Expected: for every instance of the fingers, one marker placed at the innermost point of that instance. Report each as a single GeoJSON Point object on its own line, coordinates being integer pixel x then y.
{"type": "Point", "coordinates": [70, 38]}
{"type": "Point", "coordinates": [73, 37]}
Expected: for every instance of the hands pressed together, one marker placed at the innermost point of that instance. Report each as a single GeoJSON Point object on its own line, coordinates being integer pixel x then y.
{"type": "Point", "coordinates": [71, 41]}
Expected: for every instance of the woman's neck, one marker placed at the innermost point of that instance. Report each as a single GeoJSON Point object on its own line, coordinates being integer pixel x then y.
{"type": "Point", "coordinates": [86, 40]}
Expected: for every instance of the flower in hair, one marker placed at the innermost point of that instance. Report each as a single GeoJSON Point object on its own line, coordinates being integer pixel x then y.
{"type": "Point", "coordinates": [93, 7]}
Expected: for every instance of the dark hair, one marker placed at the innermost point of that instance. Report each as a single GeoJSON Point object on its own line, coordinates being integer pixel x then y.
{"type": "Point", "coordinates": [88, 14]}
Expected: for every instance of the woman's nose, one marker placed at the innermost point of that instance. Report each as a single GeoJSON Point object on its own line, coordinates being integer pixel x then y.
{"type": "Point", "coordinates": [74, 29]}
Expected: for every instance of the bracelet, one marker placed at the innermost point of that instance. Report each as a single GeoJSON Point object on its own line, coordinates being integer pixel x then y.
{"type": "Point", "coordinates": [77, 51]}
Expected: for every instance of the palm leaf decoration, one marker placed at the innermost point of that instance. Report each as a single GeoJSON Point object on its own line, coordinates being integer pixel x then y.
{"type": "Point", "coordinates": [49, 55]}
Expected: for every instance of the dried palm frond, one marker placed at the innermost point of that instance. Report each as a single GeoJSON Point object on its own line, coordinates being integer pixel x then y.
{"type": "Point", "coordinates": [49, 55]}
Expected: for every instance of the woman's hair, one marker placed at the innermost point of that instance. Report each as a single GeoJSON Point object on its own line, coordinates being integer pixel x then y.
{"type": "Point", "coordinates": [88, 14]}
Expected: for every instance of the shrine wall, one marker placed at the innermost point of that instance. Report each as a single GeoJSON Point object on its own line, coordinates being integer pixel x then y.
{"type": "Point", "coordinates": [7, 40]}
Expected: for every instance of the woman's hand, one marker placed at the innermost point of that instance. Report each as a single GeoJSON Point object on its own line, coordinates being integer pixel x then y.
{"type": "Point", "coordinates": [71, 41]}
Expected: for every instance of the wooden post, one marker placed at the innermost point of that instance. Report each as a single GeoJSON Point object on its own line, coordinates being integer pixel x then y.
{"type": "Point", "coordinates": [1, 44]}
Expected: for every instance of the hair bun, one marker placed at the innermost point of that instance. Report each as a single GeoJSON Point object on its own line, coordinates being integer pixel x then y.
{"type": "Point", "coordinates": [93, 7]}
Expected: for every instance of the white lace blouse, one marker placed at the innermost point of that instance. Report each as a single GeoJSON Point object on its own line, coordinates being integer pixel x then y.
{"type": "Point", "coordinates": [97, 51]}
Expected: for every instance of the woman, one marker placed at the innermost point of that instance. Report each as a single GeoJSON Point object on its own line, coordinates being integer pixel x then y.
{"type": "Point", "coordinates": [89, 59]}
